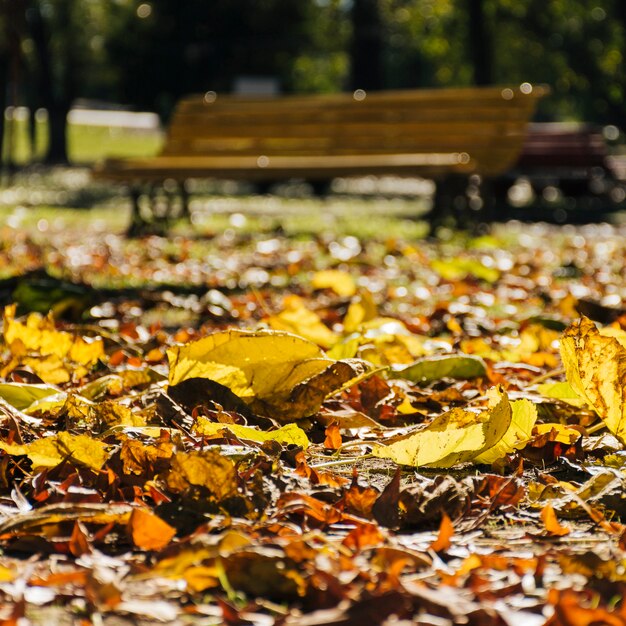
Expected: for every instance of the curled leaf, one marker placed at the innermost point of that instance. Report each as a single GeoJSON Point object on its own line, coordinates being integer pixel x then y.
{"type": "Point", "coordinates": [457, 436]}
{"type": "Point", "coordinates": [523, 418]}
{"type": "Point", "coordinates": [276, 373]}
{"type": "Point", "coordinates": [595, 366]}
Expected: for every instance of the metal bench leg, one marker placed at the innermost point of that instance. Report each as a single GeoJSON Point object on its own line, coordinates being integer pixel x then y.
{"type": "Point", "coordinates": [449, 202]}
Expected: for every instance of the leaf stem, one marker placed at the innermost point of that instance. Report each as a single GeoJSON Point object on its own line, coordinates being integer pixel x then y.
{"type": "Point", "coordinates": [551, 374]}
{"type": "Point", "coordinates": [351, 460]}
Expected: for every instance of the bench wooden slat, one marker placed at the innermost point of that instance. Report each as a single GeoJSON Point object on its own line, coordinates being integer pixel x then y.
{"type": "Point", "coordinates": [318, 137]}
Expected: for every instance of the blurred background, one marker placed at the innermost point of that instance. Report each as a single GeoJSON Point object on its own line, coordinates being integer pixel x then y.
{"type": "Point", "coordinates": [113, 69]}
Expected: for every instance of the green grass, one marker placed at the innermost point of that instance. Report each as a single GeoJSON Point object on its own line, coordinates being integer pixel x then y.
{"type": "Point", "coordinates": [86, 144]}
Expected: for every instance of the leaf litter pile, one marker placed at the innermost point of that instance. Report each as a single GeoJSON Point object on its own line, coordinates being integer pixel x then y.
{"type": "Point", "coordinates": [314, 430]}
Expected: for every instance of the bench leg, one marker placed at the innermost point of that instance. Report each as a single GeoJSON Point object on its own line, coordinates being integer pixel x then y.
{"type": "Point", "coordinates": [137, 223]}
{"type": "Point", "coordinates": [184, 202]}
{"type": "Point", "coordinates": [449, 202]}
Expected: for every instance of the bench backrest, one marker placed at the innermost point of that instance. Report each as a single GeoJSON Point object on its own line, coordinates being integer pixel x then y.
{"type": "Point", "coordinates": [563, 144]}
{"type": "Point", "coordinates": [489, 123]}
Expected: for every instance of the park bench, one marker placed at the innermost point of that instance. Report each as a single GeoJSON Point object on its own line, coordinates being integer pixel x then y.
{"type": "Point", "coordinates": [568, 168]}
{"type": "Point", "coordinates": [447, 135]}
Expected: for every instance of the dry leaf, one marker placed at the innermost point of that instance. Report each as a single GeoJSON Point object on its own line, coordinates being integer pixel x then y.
{"type": "Point", "coordinates": [296, 317]}
{"type": "Point", "coordinates": [446, 530]}
{"type": "Point", "coordinates": [551, 522]}
{"type": "Point", "coordinates": [208, 469]}
{"type": "Point", "coordinates": [278, 374]}
{"type": "Point", "coordinates": [148, 531]}
{"type": "Point", "coordinates": [595, 366]}
{"type": "Point", "coordinates": [340, 282]}
{"type": "Point", "coordinates": [457, 436]}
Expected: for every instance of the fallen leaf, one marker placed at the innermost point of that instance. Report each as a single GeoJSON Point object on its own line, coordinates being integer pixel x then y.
{"type": "Point", "coordinates": [457, 436]}
{"type": "Point", "coordinates": [278, 374]}
{"type": "Point", "coordinates": [432, 368]}
{"type": "Point", "coordinates": [340, 282]}
{"type": "Point", "coordinates": [551, 522]}
{"type": "Point", "coordinates": [595, 366]}
{"type": "Point", "coordinates": [296, 317]}
{"type": "Point", "coordinates": [523, 418]}
{"type": "Point", "coordinates": [332, 440]}
{"type": "Point", "coordinates": [50, 451]}
{"type": "Point", "coordinates": [289, 434]}
{"type": "Point", "coordinates": [446, 530]}
{"type": "Point", "coordinates": [208, 469]}
{"type": "Point", "coordinates": [149, 532]}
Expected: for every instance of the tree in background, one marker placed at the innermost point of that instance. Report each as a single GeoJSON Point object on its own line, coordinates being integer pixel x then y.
{"type": "Point", "coordinates": [148, 53]}
{"type": "Point", "coordinates": [366, 50]}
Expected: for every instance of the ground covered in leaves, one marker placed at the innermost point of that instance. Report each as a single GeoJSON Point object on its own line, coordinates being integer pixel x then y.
{"type": "Point", "coordinates": [254, 428]}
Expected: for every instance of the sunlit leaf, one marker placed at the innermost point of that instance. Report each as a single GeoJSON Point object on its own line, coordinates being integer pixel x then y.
{"type": "Point", "coordinates": [460, 268]}
{"type": "Point", "coordinates": [432, 368]}
{"type": "Point", "coordinates": [286, 435]}
{"type": "Point", "coordinates": [53, 355]}
{"type": "Point", "coordinates": [446, 531]}
{"type": "Point", "coordinates": [558, 432]}
{"type": "Point", "coordinates": [595, 366]}
{"type": "Point", "coordinates": [562, 391]}
{"type": "Point", "coordinates": [140, 458]}
{"type": "Point", "coordinates": [148, 531]}
{"type": "Point", "coordinates": [457, 436]}
{"type": "Point", "coordinates": [298, 318]}
{"type": "Point", "coordinates": [551, 522]}
{"type": "Point", "coordinates": [523, 418]}
{"type": "Point", "coordinates": [278, 374]}
{"type": "Point", "coordinates": [22, 395]}
{"type": "Point", "coordinates": [208, 469]}
{"type": "Point", "coordinates": [341, 283]}
{"type": "Point", "coordinates": [50, 451]}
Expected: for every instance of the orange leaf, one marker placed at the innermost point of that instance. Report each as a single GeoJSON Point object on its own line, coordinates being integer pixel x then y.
{"type": "Point", "coordinates": [148, 531]}
{"type": "Point", "coordinates": [333, 437]}
{"type": "Point", "coordinates": [551, 522]}
{"type": "Point", "coordinates": [446, 530]}
{"type": "Point", "coordinates": [79, 542]}
{"type": "Point", "coordinates": [363, 536]}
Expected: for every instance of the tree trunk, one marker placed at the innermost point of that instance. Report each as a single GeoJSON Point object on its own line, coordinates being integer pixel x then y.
{"type": "Point", "coordinates": [480, 43]}
{"type": "Point", "coordinates": [57, 104]}
{"type": "Point", "coordinates": [4, 87]}
{"type": "Point", "coordinates": [366, 52]}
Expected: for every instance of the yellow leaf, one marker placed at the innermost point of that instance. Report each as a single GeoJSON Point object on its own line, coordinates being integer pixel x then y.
{"type": "Point", "coordinates": [595, 366]}
{"type": "Point", "coordinates": [110, 413]}
{"type": "Point", "coordinates": [457, 436]}
{"type": "Point", "coordinates": [6, 575]}
{"type": "Point", "coordinates": [562, 433]}
{"type": "Point", "coordinates": [562, 391]}
{"type": "Point", "coordinates": [297, 318]}
{"type": "Point", "coordinates": [50, 451]}
{"type": "Point", "coordinates": [460, 268]}
{"type": "Point", "coordinates": [278, 374]}
{"type": "Point", "coordinates": [54, 355]}
{"type": "Point", "coordinates": [207, 468]}
{"type": "Point", "coordinates": [361, 310]}
{"type": "Point", "coordinates": [288, 434]}
{"type": "Point", "coordinates": [340, 282]}
{"type": "Point", "coordinates": [523, 418]}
